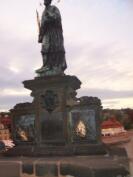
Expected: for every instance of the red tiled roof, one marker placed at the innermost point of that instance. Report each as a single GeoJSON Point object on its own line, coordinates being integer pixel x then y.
{"type": "Point", "coordinates": [111, 123]}
{"type": "Point", "coordinates": [5, 120]}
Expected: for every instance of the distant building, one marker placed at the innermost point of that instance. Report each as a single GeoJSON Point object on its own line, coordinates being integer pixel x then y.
{"type": "Point", "coordinates": [5, 119]}
{"type": "Point", "coordinates": [112, 127]}
{"type": "Point", "coordinates": [5, 126]}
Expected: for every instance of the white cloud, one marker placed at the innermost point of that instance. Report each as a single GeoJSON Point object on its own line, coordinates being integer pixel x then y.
{"type": "Point", "coordinates": [14, 92]}
{"type": "Point", "coordinates": [118, 103]}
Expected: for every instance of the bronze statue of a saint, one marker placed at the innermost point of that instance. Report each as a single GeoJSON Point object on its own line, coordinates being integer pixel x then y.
{"type": "Point", "coordinates": [51, 37]}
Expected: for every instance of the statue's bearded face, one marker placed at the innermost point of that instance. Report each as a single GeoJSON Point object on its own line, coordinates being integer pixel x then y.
{"type": "Point", "coordinates": [47, 2]}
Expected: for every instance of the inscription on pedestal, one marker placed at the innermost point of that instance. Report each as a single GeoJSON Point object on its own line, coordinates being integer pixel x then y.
{"type": "Point", "coordinates": [52, 127]}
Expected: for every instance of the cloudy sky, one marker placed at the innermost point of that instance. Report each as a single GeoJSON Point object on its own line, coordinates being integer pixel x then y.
{"type": "Point", "coordinates": [99, 48]}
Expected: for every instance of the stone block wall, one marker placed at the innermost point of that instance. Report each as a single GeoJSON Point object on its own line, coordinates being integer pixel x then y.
{"type": "Point", "coordinates": [77, 166]}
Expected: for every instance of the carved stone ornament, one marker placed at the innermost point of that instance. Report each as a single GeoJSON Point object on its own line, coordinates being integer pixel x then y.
{"type": "Point", "coordinates": [85, 100]}
{"type": "Point", "coordinates": [49, 101]}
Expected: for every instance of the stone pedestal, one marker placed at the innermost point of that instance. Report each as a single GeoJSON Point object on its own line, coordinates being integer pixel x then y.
{"type": "Point", "coordinates": [60, 123]}
{"type": "Point", "coordinates": [53, 95]}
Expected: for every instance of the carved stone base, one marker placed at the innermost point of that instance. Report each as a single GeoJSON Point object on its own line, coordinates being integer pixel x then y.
{"type": "Point", "coordinates": [53, 95]}
{"type": "Point", "coordinates": [57, 123]}
{"type": "Point", "coordinates": [67, 150]}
